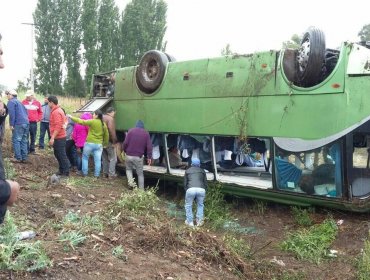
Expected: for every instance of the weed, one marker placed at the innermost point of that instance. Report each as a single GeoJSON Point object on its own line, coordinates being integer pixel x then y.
{"type": "Point", "coordinates": [301, 216]}
{"type": "Point", "coordinates": [10, 171]}
{"type": "Point", "coordinates": [363, 263]}
{"type": "Point", "coordinates": [259, 206]}
{"type": "Point", "coordinates": [311, 244]}
{"type": "Point", "coordinates": [119, 253]}
{"type": "Point", "coordinates": [292, 276]}
{"type": "Point", "coordinates": [18, 255]}
{"type": "Point", "coordinates": [72, 237]}
{"type": "Point", "coordinates": [86, 223]}
{"type": "Point", "coordinates": [135, 203]}
{"type": "Point", "coordinates": [216, 210]}
{"type": "Point", "coordinates": [237, 246]}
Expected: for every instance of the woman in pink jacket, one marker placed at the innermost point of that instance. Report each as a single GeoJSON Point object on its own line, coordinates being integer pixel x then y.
{"type": "Point", "coordinates": [79, 135]}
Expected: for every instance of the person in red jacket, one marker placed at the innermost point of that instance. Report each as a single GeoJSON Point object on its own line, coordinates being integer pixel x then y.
{"type": "Point", "coordinates": [57, 125]}
{"type": "Point", "coordinates": [34, 116]}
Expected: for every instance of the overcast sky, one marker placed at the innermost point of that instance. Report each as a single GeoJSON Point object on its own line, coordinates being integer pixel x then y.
{"type": "Point", "coordinates": [201, 28]}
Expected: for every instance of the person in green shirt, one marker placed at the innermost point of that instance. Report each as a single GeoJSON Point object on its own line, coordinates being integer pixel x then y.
{"type": "Point", "coordinates": [97, 138]}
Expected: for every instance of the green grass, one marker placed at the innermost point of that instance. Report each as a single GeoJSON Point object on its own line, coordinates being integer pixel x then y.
{"type": "Point", "coordinates": [20, 255]}
{"type": "Point", "coordinates": [301, 216]}
{"type": "Point", "coordinates": [238, 246]}
{"type": "Point", "coordinates": [363, 263]}
{"type": "Point", "coordinates": [311, 244]}
{"type": "Point", "coordinates": [217, 211]}
{"type": "Point", "coordinates": [119, 253]}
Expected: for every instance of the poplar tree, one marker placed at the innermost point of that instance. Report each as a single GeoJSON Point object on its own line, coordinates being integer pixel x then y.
{"type": "Point", "coordinates": [108, 36]}
{"type": "Point", "coordinates": [71, 33]}
{"type": "Point", "coordinates": [89, 22]}
{"type": "Point", "coordinates": [142, 28]}
{"type": "Point", "coordinates": [47, 36]}
{"type": "Point", "coordinates": [365, 33]}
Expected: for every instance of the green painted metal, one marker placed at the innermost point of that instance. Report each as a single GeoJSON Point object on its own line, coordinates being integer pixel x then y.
{"type": "Point", "coordinates": [217, 96]}
{"type": "Point", "coordinates": [258, 92]}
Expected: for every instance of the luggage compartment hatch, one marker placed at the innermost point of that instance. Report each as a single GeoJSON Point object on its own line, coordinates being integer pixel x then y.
{"type": "Point", "coordinates": [95, 104]}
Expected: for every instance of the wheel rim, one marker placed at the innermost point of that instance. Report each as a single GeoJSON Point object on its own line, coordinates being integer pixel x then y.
{"type": "Point", "coordinates": [303, 55]}
{"type": "Point", "coordinates": [152, 69]}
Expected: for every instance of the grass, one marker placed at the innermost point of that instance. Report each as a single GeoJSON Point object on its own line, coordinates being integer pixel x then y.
{"type": "Point", "coordinates": [238, 246]}
{"type": "Point", "coordinates": [20, 255]}
{"type": "Point", "coordinates": [119, 253]}
{"type": "Point", "coordinates": [311, 244]}
{"type": "Point", "coordinates": [217, 211]}
{"type": "Point", "coordinates": [73, 238]}
{"type": "Point", "coordinates": [259, 207]}
{"type": "Point", "coordinates": [363, 263]}
{"type": "Point", "coordinates": [10, 172]}
{"type": "Point", "coordinates": [301, 216]}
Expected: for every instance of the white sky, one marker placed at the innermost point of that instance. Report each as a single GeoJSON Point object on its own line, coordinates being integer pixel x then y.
{"type": "Point", "coordinates": [201, 28]}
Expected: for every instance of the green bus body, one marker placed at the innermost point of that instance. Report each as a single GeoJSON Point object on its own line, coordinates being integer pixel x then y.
{"type": "Point", "coordinates": [245, 96]}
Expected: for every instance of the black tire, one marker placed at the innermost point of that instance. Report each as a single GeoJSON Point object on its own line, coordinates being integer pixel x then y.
{"type": "Point", "coordinates": [170, 57]}
{"type": "Point", "coordinates": [311, 57]}
{"type": "Point", "coordinates": [151, 70]}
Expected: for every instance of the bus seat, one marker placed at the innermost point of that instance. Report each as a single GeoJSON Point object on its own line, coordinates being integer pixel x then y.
{"type": "Point", "coordinates": [287, 172]}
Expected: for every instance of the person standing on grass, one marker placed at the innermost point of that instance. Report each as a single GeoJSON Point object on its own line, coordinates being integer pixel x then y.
{"type": "Point", "coordinates": [97, 138]}
{"type": "Point", "coordinates": [57, 126]}
{"type": "Point", "coordinates": [8, 189]}
{"type": "Point", "coordinates": [109, 152]}
{"type": "Point", "coordinates": [19, 125]}
{"type": "Point", "coordinates": [34, 110]}
{"type": "Point", "coordinates": [44, 124]}
{"type": "Point", "coordinates": [195, 184]}
{"type": "Point", "coordinates": [137, 143]}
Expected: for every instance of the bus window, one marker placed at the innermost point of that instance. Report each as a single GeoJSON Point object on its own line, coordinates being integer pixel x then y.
{"type": "Point", "coordinates": [361, 168]}
{"type": "Point", "coordinates": [157, 154]}
{"type": "Point", "coordinates": [181, 148]}
{"type": "Point", "coordinates": [316, 172]}
{"type": "Point", "coordinates": [243, 162]}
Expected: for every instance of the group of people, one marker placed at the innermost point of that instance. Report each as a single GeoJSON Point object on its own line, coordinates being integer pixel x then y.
{"type": "Point", "coordinates": [88, 135]}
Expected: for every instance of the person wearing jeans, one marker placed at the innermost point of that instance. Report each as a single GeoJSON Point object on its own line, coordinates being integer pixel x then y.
{"type": "Point", "coordinates": [97, 138]}
{"type": "Point", "coordinates": [109, 152]}
{"type": "Point", "coordinates": [136, 144]}
{"type": "Point", "coordinates": [44, 124]}
{"type": "Point", "coordinates": [195, 184]}
{"type": "Point", "coordinates": [19, 124]}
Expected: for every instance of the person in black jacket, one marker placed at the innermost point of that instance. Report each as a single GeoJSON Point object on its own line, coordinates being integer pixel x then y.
{"type": "Point", "coordinates": [195, 184]}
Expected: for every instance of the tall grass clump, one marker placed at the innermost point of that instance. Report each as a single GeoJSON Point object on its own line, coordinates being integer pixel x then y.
{"type": "Point", "coordinates": [301, 216]}
{"type": "Point", "coordinates": [363, 263]}
{"type": "Point", "coordinates": [20, 255]}
{"type": "Point", "coordinates": [312, 244]}
{"type": "Point", "coordinates": [217, 212]}
{"type": "Point", "coordinates": [134, 204]}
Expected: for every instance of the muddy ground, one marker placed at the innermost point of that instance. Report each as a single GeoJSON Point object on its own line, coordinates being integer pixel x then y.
{"type": "Point", "coordinates": [153, 251]}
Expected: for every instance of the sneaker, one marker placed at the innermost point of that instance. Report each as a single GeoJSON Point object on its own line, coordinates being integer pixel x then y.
{"type": "Point", "coordinates": [191, 224]}
{"type": "Point", "coordinates": [200, 223]}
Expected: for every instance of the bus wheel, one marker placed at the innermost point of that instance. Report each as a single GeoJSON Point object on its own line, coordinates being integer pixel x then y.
{"type": "Point", "coordinates": [311, 57]}
{"type": "Point", "coordinates": [151, 70]}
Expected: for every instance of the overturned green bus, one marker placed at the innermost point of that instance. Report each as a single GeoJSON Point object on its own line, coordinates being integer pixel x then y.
{"type": "Point", "coordinates": [291, 126]}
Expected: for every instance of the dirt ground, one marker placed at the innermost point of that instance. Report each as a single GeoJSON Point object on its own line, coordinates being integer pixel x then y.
{"type": "Point", "coordinates": [151, 251]}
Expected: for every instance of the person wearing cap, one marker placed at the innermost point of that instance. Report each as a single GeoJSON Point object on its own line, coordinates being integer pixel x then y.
{"type": "Point", "coordinates": [8, 189]}
{"type": "Point", "coordinates": [109, 155]}
{"type": "Point", "coordinates": [19, 124]}
{"type": "Point", "coordinates": [195, 184]}
{"type": "Point", "coordinates": [136, 144]}
{"type": "Point", "coordinates": [33, 107]}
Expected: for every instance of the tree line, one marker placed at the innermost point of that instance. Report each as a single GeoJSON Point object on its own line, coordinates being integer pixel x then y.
{"type": "Point", "coordinates": [92, 36]}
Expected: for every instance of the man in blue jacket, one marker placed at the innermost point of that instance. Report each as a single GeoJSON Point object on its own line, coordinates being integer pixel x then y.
{"type": "Point", "coordinates": [19, 124]}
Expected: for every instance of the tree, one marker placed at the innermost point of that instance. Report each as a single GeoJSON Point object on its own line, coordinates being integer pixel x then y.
{"type": "Point", "coordinates": [142, 28]}
{"type": "Point", "coordinates": [293, 43]}
{"type": "Point", "coordinates": [108, 36]}
{"type": "Point", "coordinates": [49, 59]}
{"type": "Point", "coordinates": [89, 23]}
{"type": "Point", "coordinates": [71, 33]}
{"type": "Point", "coordinates": [365, 33]}
{"type": "Point", "coordinates": [226, 50]}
